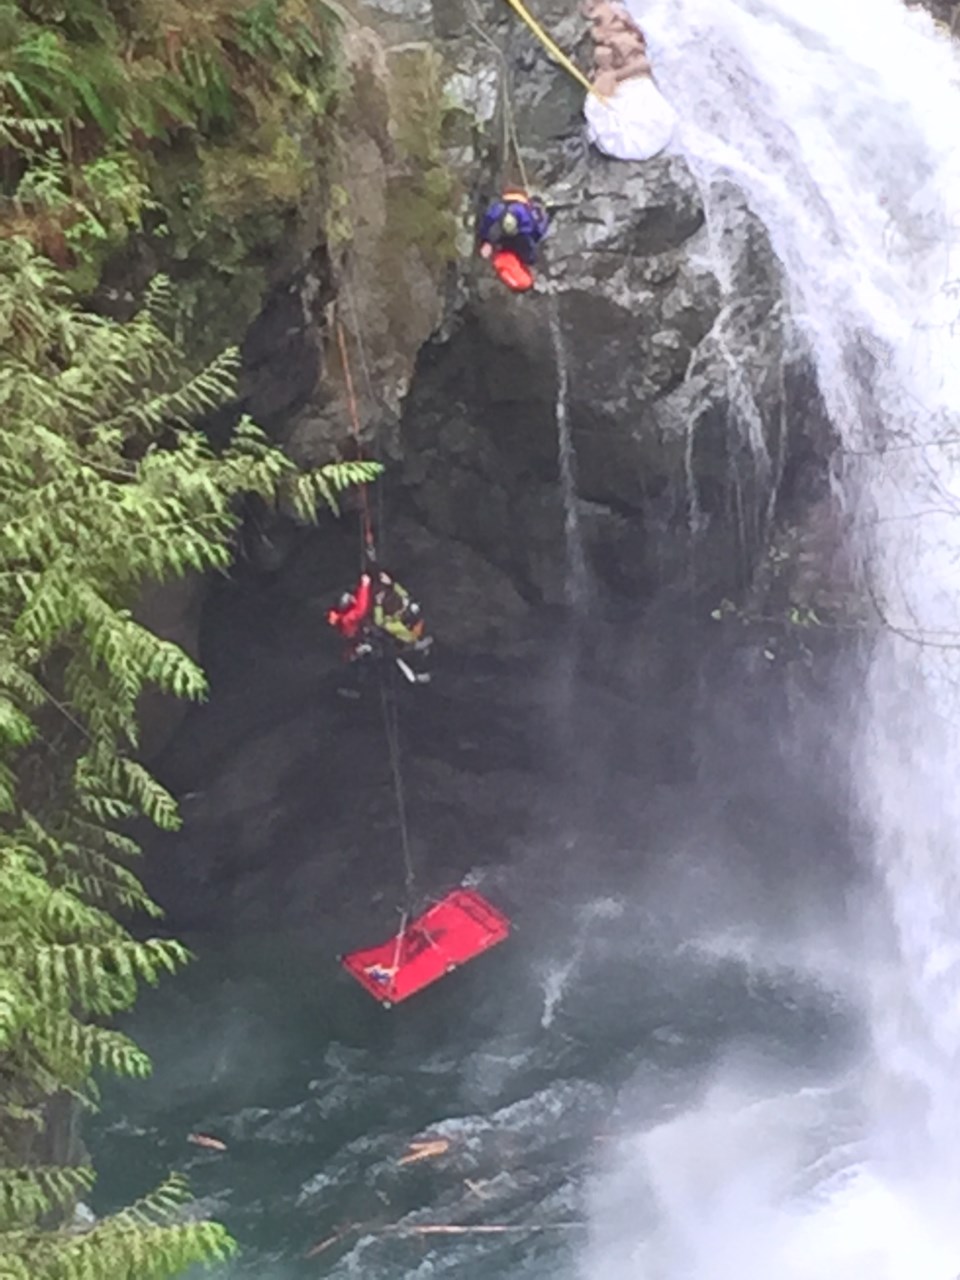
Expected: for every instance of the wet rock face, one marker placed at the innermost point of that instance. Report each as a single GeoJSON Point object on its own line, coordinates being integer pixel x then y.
{"type": "Point", "coordinates": [661, 304]}
{"type": "Point", "coordinates": [694, 423]}
{"type": "Point", "coordinates": [390, 238]}
{"type": "Point", "coordinates": [673, 336]}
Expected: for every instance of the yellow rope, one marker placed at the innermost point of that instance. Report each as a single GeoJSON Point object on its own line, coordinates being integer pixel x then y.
{"type": "Point", "coordinates": [521, 10]}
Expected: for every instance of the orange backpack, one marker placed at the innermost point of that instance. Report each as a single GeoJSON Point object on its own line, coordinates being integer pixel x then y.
{"type": "Point", "coordinates": [516, 275]}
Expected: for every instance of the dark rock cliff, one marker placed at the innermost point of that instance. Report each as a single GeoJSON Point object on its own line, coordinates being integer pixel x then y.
{"type": "Point", "coordinates": [687, 397]}
{"type": "Point", "coordinates": [696, 443]}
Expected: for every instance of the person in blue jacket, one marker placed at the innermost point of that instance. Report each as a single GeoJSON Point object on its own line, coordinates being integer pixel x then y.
{"type": "Point", "coordinates": [514, 222]}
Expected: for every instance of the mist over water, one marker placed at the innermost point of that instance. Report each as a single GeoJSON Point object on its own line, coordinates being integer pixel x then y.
{"type": "Point", "coordinates": [661, 927]}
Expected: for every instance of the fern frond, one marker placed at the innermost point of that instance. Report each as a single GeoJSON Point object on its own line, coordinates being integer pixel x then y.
{"type": "Point", "coordinates": [184, 404]}
{"type": "Point", "coordinates": [15, 1007]}
{"type": "Point", "coordinates": [92, 1047]}
{"type": "Point", "coordinates": [100, 977]}
{"type": "Point", "coordinates": [306, 490]}
{"type": "Point", "coordinates": [144, 1253]}
{"type": "Point", "coordinates": [153, 800]}
{"type": "Point", "coordinates": [347, 474]}
{"type": "Point", "coordinates": [15, 727]}
{"type": "Point", "coordinates": [146, 1242]}
{"type": "Point", "coordinates": [8, 789]}
{"type": "Point", "coordinates": [27, 132]}
{"type": "Point", "coordinates": [26, 1195]}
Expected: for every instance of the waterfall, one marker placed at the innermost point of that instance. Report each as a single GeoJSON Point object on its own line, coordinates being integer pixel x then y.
{"type": "Point", "coordinates": [577, 583]}
{"type": "Point", "coordinates": [838, 121]}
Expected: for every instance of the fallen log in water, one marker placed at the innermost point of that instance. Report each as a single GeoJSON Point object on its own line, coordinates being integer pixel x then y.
{"type": "Point", "coordinates": [439, 1229]}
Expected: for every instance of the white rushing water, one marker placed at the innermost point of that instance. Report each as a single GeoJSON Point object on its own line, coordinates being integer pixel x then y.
{"type": "Point", "coordinates": [577, 586]}
{"type": "Point", "coordinates": [840, 121]}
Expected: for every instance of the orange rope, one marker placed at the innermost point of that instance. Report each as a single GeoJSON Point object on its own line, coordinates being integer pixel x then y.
{"type": "Point", "coordinates": [355, 428]}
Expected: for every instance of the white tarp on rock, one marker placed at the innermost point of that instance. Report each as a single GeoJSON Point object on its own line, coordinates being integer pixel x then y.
{"type": "Point", "coordinates": [634, 123]}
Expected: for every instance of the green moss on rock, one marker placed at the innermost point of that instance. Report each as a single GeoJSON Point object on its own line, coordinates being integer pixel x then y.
{"type": "Point", "coordinates": [424, 197]}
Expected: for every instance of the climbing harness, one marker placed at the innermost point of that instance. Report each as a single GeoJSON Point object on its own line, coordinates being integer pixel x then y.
{"type": "Point", "coordinates": [461, 925]}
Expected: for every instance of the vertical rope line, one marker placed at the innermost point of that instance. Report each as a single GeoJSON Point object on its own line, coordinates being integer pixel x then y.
{"type": "Point", "coordinates": [387, 699]}
{"type": "Point", "coordinates": [391, 725]}
{"type": "Point", "coordinates": [511, 140]}
{"type": "Point", "coordinates": [349, 294]}
{"type": "Point", "coordinates": [355, 428]}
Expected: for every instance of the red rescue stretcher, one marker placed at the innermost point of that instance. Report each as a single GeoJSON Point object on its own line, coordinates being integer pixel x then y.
{"type": "Point", "coordinates": [454, 930]}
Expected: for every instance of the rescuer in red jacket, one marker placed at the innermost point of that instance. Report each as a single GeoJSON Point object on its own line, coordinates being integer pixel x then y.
{"type": "Point", "coordinates": [384, 622]}
{"type": "Point", "coordinates": [352, 616]}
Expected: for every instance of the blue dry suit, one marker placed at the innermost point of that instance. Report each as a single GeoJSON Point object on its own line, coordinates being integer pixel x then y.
{"type": "Point", "coordinates": [532, 223]}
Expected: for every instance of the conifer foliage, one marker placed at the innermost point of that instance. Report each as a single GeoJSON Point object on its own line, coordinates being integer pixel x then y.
{"type": "Point", "coordinates": [105, 484]}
